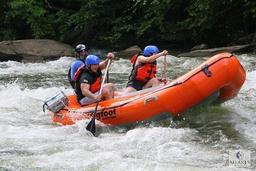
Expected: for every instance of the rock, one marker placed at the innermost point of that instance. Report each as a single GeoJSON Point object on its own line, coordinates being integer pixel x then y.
{"type": "Point", "coordinates": [33, 50]}
{"type": "Point", "coordinates": [247, 39]}
{"type": "Point", "coordinates": [210, 52]}
{"type": "Point", "coordinates": [254, 38]}
{"type": "Point", "coordinates": [200, 47]}
{"type": "Point", "coordinates": [247, 49]}
{"type": "Point", "coordinates": [129, 52]}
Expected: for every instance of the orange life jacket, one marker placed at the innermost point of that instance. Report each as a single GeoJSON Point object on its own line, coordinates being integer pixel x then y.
{"type": "Point", "coordinates": [143, 72]}
{"type": "Point", "coordinates": [96, 85]}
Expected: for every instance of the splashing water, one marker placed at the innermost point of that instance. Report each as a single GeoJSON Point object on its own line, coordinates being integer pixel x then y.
{"type": "Point", "coordinates": [29, 141]}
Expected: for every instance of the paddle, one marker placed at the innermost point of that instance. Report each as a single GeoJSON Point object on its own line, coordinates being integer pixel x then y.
{"type": "Point", "coordinates": [107, 77]}
{"type": "Point", "coordinates": [91, 125]}
{"type": "Point", "coordinates": [165, 70]}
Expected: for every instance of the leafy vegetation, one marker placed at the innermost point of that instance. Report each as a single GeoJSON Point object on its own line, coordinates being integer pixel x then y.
{"type": "Point", "coordinates": [119, 23]}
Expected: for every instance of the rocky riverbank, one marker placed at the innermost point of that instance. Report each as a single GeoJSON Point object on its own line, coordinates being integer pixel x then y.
{"type": "Point", "coordinates": [247, 48]}
{"type": "Point", "coordinates": [38, 50]}
{"type": "Point", "coordinates": [33, 50]}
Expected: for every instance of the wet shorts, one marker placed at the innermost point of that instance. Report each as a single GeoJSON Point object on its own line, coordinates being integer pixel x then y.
{"type": "Point", "coordinates": [87, 100]}
{"type": "Point", "coordinates": [138, 85]}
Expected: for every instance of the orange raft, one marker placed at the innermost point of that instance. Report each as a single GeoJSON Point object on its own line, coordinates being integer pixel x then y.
{"type": "Point", "coordinates": [219, 79]}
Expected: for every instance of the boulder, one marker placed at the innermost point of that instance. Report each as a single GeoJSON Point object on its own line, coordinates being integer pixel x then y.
{"type": "Point", "coordinates": [33, 50]}
{"type": "Point", "coordinates": [200, 47]}
{"type": "Point", "coordinates": [129, 52]}
{"type": "Point", "coordinates": [254, 38]}
{"type": "Point", "coordinates": [210, 52]}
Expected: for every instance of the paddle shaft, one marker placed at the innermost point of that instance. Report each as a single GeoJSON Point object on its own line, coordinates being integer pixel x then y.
{"type": "Point", "coordinates": [91, 125]}
{"type": "Point", "coordinates": [107, 77]}
{"type": "Point", "coordinates": [104, 77]}
{"type": "Point", "coordinates": [165, 69]}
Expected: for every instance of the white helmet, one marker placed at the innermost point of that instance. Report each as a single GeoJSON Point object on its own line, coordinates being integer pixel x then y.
{"type": "Point", "coordinates": [81, 47]}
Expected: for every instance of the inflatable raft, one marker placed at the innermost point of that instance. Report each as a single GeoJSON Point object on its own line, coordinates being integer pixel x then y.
{"type": "Point", "coordinates": [219, 79]}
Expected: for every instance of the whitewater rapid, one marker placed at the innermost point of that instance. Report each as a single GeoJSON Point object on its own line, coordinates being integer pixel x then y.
{"type": "Point", "coordinates": [202, 141]}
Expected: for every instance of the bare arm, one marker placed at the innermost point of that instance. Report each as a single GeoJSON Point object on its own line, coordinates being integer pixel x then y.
{"type": "Point", "coordinates": [143, 59]}
{"type": "Point", "coordinates": [86, 92]}
{"type": "Point", "coordinates": [104, 63]}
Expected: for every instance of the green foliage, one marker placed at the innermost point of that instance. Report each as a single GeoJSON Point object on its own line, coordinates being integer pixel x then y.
{"type": "Point", "coordinates": [250, 8]}
{"type": "Point", "coordinates": [218, 21]}
{"type": "Point", "coordinates": [33, 15]}
{"type": "Point", "coordinates": [119, 23]}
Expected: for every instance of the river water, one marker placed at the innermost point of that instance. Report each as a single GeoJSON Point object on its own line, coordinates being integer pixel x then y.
{"type": "Point", "coordinates": [203, 140]}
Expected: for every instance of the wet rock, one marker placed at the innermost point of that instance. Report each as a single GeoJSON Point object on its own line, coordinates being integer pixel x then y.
{"type": "Point", "coordinates": [200, 47]}
{"type": "Point", "coordinates": [33, 50]}
{"type": "Point", "coordinates": [254, 38]}
{"type": "Point", "coordinates": [210, 52]}
{"type": "Point", "coordinates": [129, 52]}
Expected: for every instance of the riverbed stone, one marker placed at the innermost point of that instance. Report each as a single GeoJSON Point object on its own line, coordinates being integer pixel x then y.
{"type": "Point", "coordinates": [129, 52]}
{"type": "Point", "coordinates": [34, 50]}
{"type": "Point", "coordinates": [210, 52]}
{"type": "Point", "coordinates": [200, 47]}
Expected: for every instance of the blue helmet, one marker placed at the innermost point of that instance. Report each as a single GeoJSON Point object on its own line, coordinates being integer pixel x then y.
{"type": "Point", "coordinates": [74, 67]}
{"type": "Point", "coordinates": [92, 60]}
{"type": "Point", "coordinates": [150, 50]}
{"type": "Point", "coordinates": [80, 48]}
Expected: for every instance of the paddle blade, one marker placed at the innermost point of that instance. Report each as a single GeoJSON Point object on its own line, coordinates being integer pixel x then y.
{"type": "Point", "coordinates": [91, 127]}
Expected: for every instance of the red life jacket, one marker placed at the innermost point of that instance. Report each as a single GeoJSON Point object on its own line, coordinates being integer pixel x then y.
{"type": "Point", "coordinates": [78, 72]}
{"type": "Point", "coordinates": [96, 85]}
{"type": "Point", "coordinates": [134, 58]}
{"type": "Point", "coordinates": [143, 72]}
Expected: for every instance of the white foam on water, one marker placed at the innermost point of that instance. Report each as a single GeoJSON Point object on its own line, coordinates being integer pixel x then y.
{"type": "Point", "coordinates": [29, 140]}
{"type": "Point", "coordinates": [244, 106]}
{"type": "Point", "coordinates": [120, 66]}
{"type": "Point", "coordinates": [18, 68]}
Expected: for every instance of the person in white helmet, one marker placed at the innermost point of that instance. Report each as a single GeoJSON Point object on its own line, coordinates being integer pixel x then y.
{"type": "Point", "coordinates": [81, 53]}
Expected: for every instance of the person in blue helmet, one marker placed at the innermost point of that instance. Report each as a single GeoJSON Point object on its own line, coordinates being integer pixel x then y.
{"type": "Point", "coordinates": [143, 74]}
{"type": "Point", "coordinates": [88, 83]}
{"type": "Point", "coordinates": [81, 51]}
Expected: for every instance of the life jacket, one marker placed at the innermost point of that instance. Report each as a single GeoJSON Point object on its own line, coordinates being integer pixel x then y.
{"type": "Point", "coordinates": [143, 72]}
{"type": "Point", "coordinates": [72, 82]}
{"type": "Point", "coordinates": [77, 73]}
{"type": "Point", "coordinates": [94, 87]}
